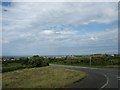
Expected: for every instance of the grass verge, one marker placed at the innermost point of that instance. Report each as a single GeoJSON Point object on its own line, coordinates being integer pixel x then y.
{"type": "Point", "coordinates": [44, 77]}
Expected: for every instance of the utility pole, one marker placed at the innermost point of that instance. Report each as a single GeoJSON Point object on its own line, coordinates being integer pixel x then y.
{"type": "Point", "coordinates": [90, 60]}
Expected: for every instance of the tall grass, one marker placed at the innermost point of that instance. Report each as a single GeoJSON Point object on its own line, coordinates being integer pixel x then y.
{"type": "Point", "coordinates": [44, 77]}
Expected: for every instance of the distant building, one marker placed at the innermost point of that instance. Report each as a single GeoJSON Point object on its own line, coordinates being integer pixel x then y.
{"type": "Point", "coordinates": [113, 55]}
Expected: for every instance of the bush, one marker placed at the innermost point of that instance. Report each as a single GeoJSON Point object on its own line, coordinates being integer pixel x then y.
{"type": "Point", "coordinates": [37, 61]}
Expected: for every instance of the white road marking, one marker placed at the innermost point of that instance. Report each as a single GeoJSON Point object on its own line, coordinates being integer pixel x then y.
{"type": "Point", "coordinates": [118, 78]}
{"type": "Point", "coordinates": [107, 79]}
{"type": "Point", "coordinates": [105, 83]}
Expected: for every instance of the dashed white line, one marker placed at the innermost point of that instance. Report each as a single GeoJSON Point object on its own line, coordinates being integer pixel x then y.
{"type": "Point", "coordinates": [118, 78]}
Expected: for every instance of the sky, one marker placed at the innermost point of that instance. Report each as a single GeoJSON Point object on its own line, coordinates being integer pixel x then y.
{"type": "Point", "coordinates": [59, 28]}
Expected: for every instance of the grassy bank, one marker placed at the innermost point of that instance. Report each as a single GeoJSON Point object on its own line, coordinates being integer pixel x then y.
{"type": "Point", "coordinates": [44, 77]}
{"type": "Point", "coordinates": [21, 63]}
{"type": "Point", "coordinates": [13, 66]}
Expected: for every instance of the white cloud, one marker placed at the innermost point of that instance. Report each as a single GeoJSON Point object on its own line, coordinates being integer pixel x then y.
{"type": "Point", "coordinates": [47, 32]}
{"type": "Point", "coordinates": [53, 43]}
{"type": "Point", "coordinates": [44, 25]}
{"type": "Point", "coordinates": [93, 38]}
{"type": "Point", "coordinates": [62, 0]}
{"type": "Point", "coordinates": [26, 15]}
{"type": "Point", "coordinates": [5, 42]}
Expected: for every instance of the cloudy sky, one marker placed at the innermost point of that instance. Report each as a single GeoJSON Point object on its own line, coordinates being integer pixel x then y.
{"type": "Point", "coordinates": [61, 28]}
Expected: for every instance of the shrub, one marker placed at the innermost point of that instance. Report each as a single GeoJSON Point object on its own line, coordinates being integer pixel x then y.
{"type": "Point", "coordinates": [37, 61]}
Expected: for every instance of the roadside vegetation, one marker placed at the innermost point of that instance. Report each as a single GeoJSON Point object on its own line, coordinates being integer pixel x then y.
{"type": "Point", "coordinates": [35, 72]}
{"type": "Point", "coordinates": [96, 60]}
{"type": "Point", "coordinates": [21, 63]}
{"type": "Point", "coordinates": [43, 77]}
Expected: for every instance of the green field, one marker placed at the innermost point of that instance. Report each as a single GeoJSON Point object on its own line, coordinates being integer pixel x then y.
{"type": "Point", "coordinates": [43, 77]}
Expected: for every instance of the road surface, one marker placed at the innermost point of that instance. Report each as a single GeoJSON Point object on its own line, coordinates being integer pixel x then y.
{"type": "Point", "coordinates": [99, 78]}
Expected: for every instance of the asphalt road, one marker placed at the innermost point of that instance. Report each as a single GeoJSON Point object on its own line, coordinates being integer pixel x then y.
{"type": "Point", "coordinates": [99, 78]}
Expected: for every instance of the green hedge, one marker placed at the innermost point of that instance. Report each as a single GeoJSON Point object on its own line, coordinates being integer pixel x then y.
{"type": "Point", "coordinates": [22, 63]}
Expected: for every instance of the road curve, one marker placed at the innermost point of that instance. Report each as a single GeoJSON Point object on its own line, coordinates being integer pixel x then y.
{"type": "Point", "coordinates": [99, 78]}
